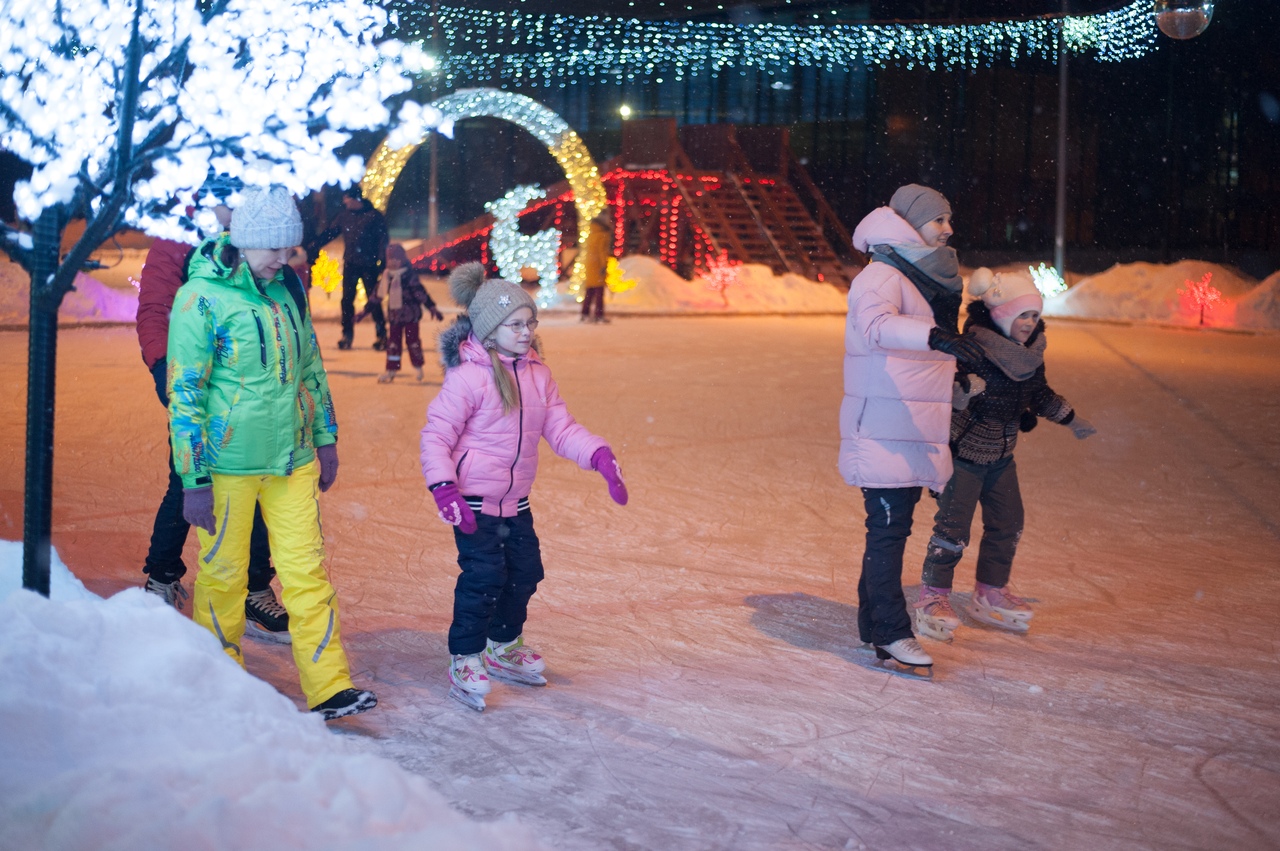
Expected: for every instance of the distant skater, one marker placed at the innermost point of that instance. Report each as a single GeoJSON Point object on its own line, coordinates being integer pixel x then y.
{"type": "Point", "coordinates": [1006, 392]}
{"type": "Point", "coordinates": [901, 349]}
{"type": "Point", "coordinates": [406, 298]}
{"type": "Point", "coordinates": [479, 457]}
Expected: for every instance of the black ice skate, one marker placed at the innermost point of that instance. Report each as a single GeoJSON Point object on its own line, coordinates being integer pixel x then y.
{"type": "Point", "coordinates": [349, 701]}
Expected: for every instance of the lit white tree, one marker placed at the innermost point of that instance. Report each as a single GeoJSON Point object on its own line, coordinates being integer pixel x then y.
{"type": "Point", "coordinates": [122, 108]}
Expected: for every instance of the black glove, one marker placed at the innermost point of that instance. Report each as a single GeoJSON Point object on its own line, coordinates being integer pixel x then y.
{"type": "Point", "coordinates": [435, 313]}
{"type": "Point", "coordinates": [964, 349]}
{"type": "Point", "coordinates": [1027, 421]}
{"type": "Point", "coordinates": [159, 373]}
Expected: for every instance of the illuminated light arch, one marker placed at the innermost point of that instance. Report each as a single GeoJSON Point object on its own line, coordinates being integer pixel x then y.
{"type": "Point", "coordinates": [589, 197]}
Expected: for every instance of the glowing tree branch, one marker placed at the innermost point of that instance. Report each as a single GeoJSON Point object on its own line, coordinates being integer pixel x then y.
{"type": "Point", "coordinates": [123, 107]}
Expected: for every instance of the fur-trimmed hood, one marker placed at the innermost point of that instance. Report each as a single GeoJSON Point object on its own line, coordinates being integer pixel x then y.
{"type": "Point", "coordinates": [456, 344]}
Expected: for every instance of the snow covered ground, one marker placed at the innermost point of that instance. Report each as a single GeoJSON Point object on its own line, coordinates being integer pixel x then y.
{"type": "Point", "coordinates": [706, 688]}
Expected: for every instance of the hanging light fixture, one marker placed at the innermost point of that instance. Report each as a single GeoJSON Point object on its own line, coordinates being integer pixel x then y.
{"type": "Point", "coordinates": [1183, 19]}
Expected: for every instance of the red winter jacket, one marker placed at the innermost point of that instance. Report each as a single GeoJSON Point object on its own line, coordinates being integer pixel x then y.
{"type": "Point", "coordinates": [163, 272]}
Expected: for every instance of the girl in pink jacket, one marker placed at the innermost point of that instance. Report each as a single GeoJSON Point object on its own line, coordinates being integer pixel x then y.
{"type": "Point", "coordinates": [901, 348]}
{"type": "Point", "coordinates": [479, 457]}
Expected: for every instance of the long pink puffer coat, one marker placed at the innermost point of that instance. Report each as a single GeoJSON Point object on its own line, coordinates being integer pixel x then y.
{"type": "Point", "coordinates": [895, 418]}
{"type": "Point", "coordinates": [468, 439]}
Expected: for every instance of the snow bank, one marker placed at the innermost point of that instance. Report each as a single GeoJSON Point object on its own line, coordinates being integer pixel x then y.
{"type": "Point", "coordinates": [90, 301]}
{"type": "Point", "coordinates": [1260, 308]}
{"type": "Point", "coordinates": [123, 725]}
{"type": "Point", "coordinates": [1148, 292]}
{"type": "Point", "coordinates": [755, 290]}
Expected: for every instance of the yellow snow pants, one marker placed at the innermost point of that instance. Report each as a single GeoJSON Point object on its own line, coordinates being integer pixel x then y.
{"type": "Point", "coordinates": [291, 510]}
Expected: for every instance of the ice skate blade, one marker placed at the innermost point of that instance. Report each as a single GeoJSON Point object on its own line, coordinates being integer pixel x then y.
{"type": "Point", "coordinates": [256, 631]}
{"type": "Point", "coordinates": [516, 677]}
{"type": "Point", "coordinates": [1020, 626]}
{"type": "Point", "coordinates": [926, 628]}
{"type": "Point", "coordinates": [467, 699]}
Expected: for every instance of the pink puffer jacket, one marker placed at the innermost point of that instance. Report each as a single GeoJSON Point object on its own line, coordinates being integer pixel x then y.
{"type": "Point", "coordinates": [895, 418]}
{"type": "Point", "coordinates": [467, 438]}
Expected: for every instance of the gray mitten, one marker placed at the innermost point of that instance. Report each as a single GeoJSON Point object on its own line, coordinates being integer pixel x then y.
{"type": "Point", "coordinates": [197, 508]}
{"type": "Point", "coordinates": [1081, 427]}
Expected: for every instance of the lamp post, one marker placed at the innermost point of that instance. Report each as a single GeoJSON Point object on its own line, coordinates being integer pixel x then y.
{"type": "Point", "coordinates": [1060, 197]}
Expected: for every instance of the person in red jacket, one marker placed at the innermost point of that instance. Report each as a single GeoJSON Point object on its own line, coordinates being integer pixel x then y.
{"type": "Point", "coordinates": [163, 272]}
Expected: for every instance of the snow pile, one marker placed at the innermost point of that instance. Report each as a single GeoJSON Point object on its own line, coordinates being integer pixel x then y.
{"type": "Point", "coordinates": [90, 301]}
{"type": "Point", "coordinates": [124, 725]}
{"type": "Point", "coordinates": [756, 290]}
{"type": "Point", "coordinates": [1261, 307]}
{"type": "Point", "coordinates": [1148, 292]}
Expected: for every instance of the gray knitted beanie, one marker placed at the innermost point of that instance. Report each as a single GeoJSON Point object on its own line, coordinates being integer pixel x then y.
{"type": "Point", "coordinates": [266, 218]}
{"type": "Point", "coordinates": [918, 204]}
{"type": "Point", "coordinates": [488, 303]}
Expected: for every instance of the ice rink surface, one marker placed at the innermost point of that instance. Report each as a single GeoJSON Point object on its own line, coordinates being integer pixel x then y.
{"type": "Point", "coordinates": [706, 688]}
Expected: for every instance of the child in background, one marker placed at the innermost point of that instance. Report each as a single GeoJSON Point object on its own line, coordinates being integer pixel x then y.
{"type": "Point", "coordinates": [479, 457]}
{"type": "Point", "coordinates": [405, 297]}
{"type": "Point", "coordinates": [1006, 393]}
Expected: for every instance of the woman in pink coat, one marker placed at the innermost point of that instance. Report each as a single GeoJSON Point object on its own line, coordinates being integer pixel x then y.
{"type": "Point", "coordinates": [479, 457]}
{"type": "Point", "coordinates": [901, 348]}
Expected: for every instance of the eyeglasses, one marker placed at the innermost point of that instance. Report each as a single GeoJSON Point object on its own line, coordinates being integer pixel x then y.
{"type": "Point", "coordinates": [518, 326]}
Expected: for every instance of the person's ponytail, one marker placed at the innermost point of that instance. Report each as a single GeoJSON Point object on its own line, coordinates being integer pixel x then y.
{"type": "Point", "coordinates": [506, 383]}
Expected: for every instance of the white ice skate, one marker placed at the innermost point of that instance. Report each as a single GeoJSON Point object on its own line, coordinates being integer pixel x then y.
{"type": "Point", "coordinates": [468, 683]}
{"type": "Point", "coordinates": [515, 661]}
{"type": "Point", "coordinates": [999, 608]}
{"type": "Point", "coordinates": [908, 655]}
{"type": "Point", "coordinates": [935, 618]}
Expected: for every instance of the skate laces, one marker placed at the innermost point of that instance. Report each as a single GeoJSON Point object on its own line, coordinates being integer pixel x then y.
{"type": "Point", "coordinates": [265, 601]}
{"type": "Point", "coordinates": [515, 653]}
{"type": "Point", "coordinates": [935, 605]}
{"type": "Point", "coordinates": [469, 669]}
{"type": "Point", "coordinates": [172, 592]}
{"type": "Point", "coordinates": [1002, 598]}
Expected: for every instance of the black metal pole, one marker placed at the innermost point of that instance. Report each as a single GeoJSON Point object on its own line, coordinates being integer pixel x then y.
{"type": "Point", "coordinates": [42, 367]}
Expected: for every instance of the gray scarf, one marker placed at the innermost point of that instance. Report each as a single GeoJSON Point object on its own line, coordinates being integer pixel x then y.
{"type": "Point", "coordinates": [1015, 360]}
{"type": "Point", "coordinates": [940, 264]}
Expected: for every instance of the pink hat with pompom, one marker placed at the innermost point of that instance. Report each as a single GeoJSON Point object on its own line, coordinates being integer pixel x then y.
{"type": "Point", "coordinates": [1006, 294]}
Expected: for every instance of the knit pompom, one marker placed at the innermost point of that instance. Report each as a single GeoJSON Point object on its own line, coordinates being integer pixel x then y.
{"type": "Point", "coordinates": [980, 281]}
{"type": "Point", "coordinates": [464, 283]}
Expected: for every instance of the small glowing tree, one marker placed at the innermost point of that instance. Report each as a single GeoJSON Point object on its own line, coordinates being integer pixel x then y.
{"type": "Point", "coordinates": [123, 107]}
{"type": "Point", "coordinates": [1200, 296]}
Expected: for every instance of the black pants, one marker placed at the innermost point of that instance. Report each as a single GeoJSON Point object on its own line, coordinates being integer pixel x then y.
{"type": "Point", "coordinates": [501, 567]}
{"type": "Point", "coordinates": [995, 486]}
{"type": "Point", "coordinates": [882, 607]}
{"type": "Point", "coordinates": [593, 295]}
{"type": "Point", "coordinates": [169, 535]}
{"type": "Point", "coordinates": [352, 275]}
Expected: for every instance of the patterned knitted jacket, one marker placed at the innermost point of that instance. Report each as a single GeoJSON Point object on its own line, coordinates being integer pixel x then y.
{"type": "Point", "coordinates": [987, 430]}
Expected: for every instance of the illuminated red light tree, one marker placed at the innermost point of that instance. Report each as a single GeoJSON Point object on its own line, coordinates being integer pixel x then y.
{"type": "Point", "coordinates": [1200, 296]}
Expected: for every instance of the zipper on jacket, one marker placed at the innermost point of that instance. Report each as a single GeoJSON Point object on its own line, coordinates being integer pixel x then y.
{"type": "Point", "coordinates": [457, 471]}
{"type": "Point", "coordinates": [511, 473]}
{"type": "Point", "coordinates": [262, 339]}
{"type": "Point", "coordinates": [297, 335]}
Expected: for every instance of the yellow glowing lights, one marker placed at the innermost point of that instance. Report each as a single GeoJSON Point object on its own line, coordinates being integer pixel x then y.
{"type": "Point", "coordinates": [384, 167]}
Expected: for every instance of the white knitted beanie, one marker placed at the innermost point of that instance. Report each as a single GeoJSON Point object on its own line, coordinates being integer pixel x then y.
{"type": "Point", "coordinates": [266, 218]}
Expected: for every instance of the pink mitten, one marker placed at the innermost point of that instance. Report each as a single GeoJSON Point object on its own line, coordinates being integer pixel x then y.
{"type": "Point", "coordinates": [604, 463]}
{"type": "Point", "coordinates": [453, 508]}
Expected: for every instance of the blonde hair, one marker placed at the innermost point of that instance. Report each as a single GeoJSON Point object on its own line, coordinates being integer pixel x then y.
{"type": "Point", "coordinates": [506, 383]}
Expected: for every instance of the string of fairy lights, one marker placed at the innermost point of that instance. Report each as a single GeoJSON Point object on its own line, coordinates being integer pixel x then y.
{"type": "Point", "coordinates": [552, 50]}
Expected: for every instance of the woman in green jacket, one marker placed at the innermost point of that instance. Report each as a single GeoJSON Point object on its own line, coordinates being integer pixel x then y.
{"type": "Point", "coordinates": [251, 420]}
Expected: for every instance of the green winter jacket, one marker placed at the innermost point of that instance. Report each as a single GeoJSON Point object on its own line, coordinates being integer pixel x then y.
{"type": "Point", "coordinates": [248, 394]}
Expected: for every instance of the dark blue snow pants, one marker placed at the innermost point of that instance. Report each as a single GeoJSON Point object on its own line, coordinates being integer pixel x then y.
{"type": "Point", "coordinates": [995, 486]}
{"type": "Point", "coordinates": [882, 607]}
{"type": "Point", "coordinates": [501, 567]}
